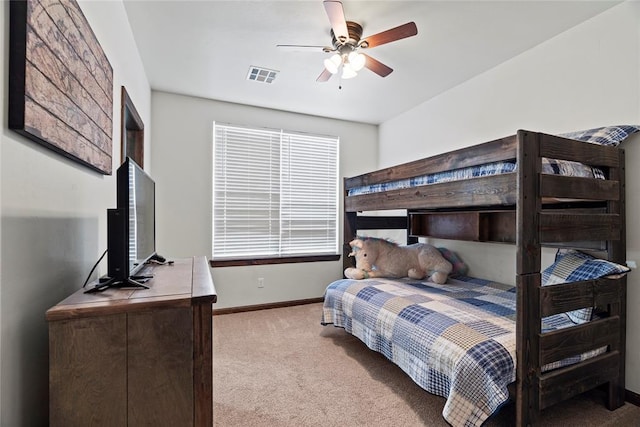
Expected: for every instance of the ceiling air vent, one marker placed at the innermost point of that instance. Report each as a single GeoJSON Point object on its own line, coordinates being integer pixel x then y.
{"type": "Point", "coordinates": [263, 75]}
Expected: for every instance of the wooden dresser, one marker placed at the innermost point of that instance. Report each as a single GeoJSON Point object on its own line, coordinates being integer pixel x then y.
{"type": "Point", "coordinates": [127, 357]}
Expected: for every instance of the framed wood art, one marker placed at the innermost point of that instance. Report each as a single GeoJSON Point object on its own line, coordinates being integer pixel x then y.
{"type": "Point", "coordinates": [60, 82]}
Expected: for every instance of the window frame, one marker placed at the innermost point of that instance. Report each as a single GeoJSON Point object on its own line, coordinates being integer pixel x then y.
{"type": "Point", "coordinates": [268, 261]}
{"type": "Point", "coordinates": [242, 260]}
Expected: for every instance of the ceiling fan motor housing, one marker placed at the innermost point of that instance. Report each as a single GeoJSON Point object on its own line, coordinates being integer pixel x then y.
{"type": "Point", "coordinates": [355, 34]}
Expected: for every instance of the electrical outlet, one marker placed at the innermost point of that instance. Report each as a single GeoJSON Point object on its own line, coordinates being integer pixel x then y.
{"type": "Point", "coordinates": [632, 264]}
{"type": "Point", "coordinates": [261, 282]}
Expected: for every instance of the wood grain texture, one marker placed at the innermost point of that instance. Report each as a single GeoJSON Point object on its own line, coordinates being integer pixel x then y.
{"type": "Point", "coordinates": [87, 375]}
{"type": "Point", "coordinates": [493, 151]}
{"type": "Point", "coordinates": [555, 147]}
{"type": "Point", "coordinates": [563, 343]}
{"type": "Point", "coordinates": [202, 285]}
{"type": "Point", "coordinates": [167, 288]}
{"type": "Point", "coordinates": [564, 383]}
{"type": "Point", "coordinates": [135, 357]}
{"type": "Point", "coordinates": [578, 188]}
{"type": "Point", "coordinates": [565, 297]}
{"type": "Point", "coordinates": [61, 83]}
{"type": "Point", "coordinates": [160, 367]}
{"type": "Point", "coordinates": [562, 227]}
{"type": "Point", "coordinates": [617, 252]}
{"type": "Point", "coordinates": [475, 192]}
{"type": "Point", "coordinates": [203, 364]}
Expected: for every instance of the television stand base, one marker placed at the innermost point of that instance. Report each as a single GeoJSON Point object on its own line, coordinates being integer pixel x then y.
{"type": "Point", "coordinates": [105, 283]}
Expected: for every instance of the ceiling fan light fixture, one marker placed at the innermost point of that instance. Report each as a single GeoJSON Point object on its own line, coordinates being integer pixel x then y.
{"type": "Point", "coordinates": [332, 64]}
{"type": "Point", "coordinates": [348, 72]}
{"type": "Point", "coordinates": [356, 60]}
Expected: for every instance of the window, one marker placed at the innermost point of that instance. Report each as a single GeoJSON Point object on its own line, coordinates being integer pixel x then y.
{"type": "Point", "coordinates": [275, 194]}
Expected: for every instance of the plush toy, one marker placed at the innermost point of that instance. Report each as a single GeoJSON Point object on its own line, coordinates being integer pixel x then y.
{"type": "Point", "coordinates": [382, 258]}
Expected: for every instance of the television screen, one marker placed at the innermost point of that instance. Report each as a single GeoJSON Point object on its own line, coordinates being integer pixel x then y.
{"type": "Point", "coordinates": [131, 230]}
{"type": "Point", "coordinates": [138, 200]}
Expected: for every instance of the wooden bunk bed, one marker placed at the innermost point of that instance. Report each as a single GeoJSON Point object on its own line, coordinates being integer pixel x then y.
{"type": "Point", "coordinates": [530, 209]}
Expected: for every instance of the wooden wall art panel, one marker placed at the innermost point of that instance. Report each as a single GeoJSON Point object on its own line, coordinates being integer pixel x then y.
{"type": "Point", "coordinates": [60, 82]}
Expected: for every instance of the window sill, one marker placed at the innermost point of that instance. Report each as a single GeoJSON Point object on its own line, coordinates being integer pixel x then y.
{"type": "Point", "coordinates": [267, 261]}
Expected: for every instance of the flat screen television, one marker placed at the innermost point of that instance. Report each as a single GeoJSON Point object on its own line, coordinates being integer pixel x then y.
{"type": "Point", "coordinates": [131, 229]}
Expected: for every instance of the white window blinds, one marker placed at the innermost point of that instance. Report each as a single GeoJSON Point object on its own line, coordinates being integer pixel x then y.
{"type": "Point", "coordinates": [275, 193]}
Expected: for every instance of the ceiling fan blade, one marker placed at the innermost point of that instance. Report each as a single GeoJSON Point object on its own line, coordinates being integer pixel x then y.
{"type": "Point", "coordinates": [402, 32]}
{"type": "Point", "coordinates": [335, 12]}
{"type": "Point", "coordinates": [324, 76]}
{"type": "Point", "coordinates": [377, 67]}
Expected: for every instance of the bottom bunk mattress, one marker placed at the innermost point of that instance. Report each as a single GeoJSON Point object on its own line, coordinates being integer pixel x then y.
{"type": "Point", "coordinates": [455, 340]}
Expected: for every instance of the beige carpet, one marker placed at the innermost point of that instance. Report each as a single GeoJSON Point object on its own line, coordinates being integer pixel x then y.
{"type": "Point", "coordinates": [280, 367]}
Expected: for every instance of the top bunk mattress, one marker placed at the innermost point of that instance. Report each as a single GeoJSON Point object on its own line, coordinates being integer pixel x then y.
{"type": "Point", "coordinates": [549, 166]}
{"type": "Point", "coordinates": [609, 136]}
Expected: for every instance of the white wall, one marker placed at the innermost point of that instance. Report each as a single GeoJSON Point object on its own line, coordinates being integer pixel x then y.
{"type": "Point", "coordinates": [586, 77]}
{"type": "Point", "coordinates": [181, 159]}
{"type": "Point", "coordinates": [53, 223]}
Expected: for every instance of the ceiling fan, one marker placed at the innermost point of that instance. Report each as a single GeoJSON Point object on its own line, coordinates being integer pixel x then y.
{"type": "Point", "coordinates": [347, 43]}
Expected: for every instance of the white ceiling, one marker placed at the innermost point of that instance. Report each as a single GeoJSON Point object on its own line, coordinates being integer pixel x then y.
{"type": "Point", "coordinates": [205, 49]}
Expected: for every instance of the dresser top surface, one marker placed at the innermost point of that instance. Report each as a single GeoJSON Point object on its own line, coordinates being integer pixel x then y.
{"type": "Point", "coordinates": [183, 283]}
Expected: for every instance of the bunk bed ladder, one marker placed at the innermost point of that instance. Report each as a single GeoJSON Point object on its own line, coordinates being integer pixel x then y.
{"type": "Point", "coordinates": [536, 390]}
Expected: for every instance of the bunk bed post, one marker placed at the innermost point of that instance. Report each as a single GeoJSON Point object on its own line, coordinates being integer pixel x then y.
{"type": "Point", "coordinates": [617, 252]}
{"type": "Point", "coordinates": [349, 231]}
{"type": "Point", "coordinates": [411, 239]}
{"type": "Point", "coordinates": [528, 264]}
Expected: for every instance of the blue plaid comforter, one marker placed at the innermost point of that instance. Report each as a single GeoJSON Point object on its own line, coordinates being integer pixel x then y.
{"type": "Point", "coordinates": [456, 340]}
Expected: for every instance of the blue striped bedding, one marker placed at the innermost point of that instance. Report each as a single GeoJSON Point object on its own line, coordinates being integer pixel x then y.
{"type": "Point", "coordinates": [455, 340]}
{"type": "Point", "coordinates": [549, 166]}
{"type": "Point", "coordinates": [606, 135]}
